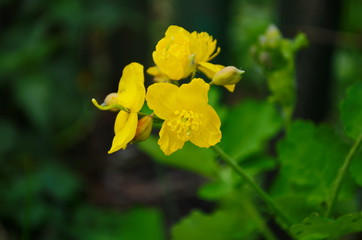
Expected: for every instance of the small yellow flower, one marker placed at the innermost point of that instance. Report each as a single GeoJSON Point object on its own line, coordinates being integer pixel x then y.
{"type": "Point", "coordinates": [187, 115]}
{"type": "Point", "coordinates": [180, 52]}
{"type": "Point", "coordinates": [129, 99]}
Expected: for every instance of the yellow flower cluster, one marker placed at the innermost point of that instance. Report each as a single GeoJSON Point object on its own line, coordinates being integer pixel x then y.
{"type": "Point", "coordinates": [184, 109]}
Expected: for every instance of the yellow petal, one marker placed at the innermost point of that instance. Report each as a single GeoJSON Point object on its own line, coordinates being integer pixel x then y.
{"type": "Point", "coordinates": [131, 88]}
{"type": "Point", "coordinates": [209, 69]}
{"type": "Point", "coordinates": [179, 34]}
{"type": "Point", "coordinates": [125, 129]}
{"type": "Point", "coordinates": [162, 99]}
{"type": "Point", "coordinates": [194, 94]}
{"type": "Point", "coordinates": [172, 54]}
{"type": "Point", "coordinates": [157, 74]}
{"type": "Point", "coordinates": [169, 142]}
{"type": "Point", "coordinates": [172, 58]}
{"type": "Point", "coordinates": [209, 133]}
{"type": "Point", "coordinates": [230, 88]}
{"type": "Point", "coordinates": [154, 71]}
{"type": "Point", "coordinates": [203, 46]}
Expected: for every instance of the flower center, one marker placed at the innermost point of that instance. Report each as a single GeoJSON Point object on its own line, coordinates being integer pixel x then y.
{"type": "Point", "coordinates": [185, 124]}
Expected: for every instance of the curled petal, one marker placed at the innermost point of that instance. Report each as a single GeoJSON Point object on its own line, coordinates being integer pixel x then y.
{"type": "Point", "coordinates": [203, 46]}
{"type": "Point", "coordinates": [124, 129]}
{"type": "Point", "coordinates": [230, 88]}
{"type": "Point", "coordinates": [131, 88]}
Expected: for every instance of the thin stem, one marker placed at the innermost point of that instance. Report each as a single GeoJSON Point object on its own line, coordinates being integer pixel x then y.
{"type": "Point", "coordinates": [341, 174]}
{"type": "Point", "coordinates": [262, 194]}
{"type": "Point", "coordinates": [255, 214]}
{"type": "Point", "coordinates": [108, 107]}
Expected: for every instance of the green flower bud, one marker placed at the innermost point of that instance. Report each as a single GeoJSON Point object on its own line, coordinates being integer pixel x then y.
{"type": "Point", "coordinates": [227, 76]}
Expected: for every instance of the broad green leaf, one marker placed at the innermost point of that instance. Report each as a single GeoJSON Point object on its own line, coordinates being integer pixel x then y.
{"type": "Point", "coordinates": [310, 157]}
{"type": "Point", "coordinates": [248, 127]}
{"type": "Point", "coordinates": [221, 225]}
{"type": "Point", "coordinates": [190, 157]}
{"type": "Point", "coordinates": [351, 111]}
{"type": "Point", "coordinates": [316, 227]}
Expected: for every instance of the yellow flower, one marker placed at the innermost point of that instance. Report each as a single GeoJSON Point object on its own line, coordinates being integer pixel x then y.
{"type": "Point", "coordinates": [129, 99]}
{"type": "Point", "coordinates": [180, 52]}
{"type": "Point", "coordinates": [187, 115]}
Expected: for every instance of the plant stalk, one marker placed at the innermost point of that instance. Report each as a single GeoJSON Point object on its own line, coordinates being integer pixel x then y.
{"type": "Point", "coordinates": [341, 175]}
{"type": "Point", "coordinates": [262, 194]}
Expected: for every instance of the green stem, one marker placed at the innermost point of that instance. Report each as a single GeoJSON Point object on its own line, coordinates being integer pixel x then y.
{"type": "Point", "coordinates": [341, 175]}
{"type": "Point", "coordinates": [262, 194]}
{"type": "Point", "coordinates": [108, 107]}
{"type": "Point", "coordinates": [255, 214]}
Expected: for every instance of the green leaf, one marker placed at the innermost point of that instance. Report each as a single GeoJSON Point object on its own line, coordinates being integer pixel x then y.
{"type": "Point", "coordinates": [310, 157]}
{"type": "Point", "coordinates": [351, 111]}
{"type": "Point", "coordinates": [248, 127]}
{"type": "Point", "coordinates": [190, 157]}
{"type": "Point", "coordinates": [221, 225]}
{"type": "Point", "coordinates": [316, 227]}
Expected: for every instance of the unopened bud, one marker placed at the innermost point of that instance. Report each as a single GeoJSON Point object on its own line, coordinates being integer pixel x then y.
{"type": "Point", "coordinates": [110, 99]}
{"type": "Point", "coordinates": [227, 76]}
{"type": "Point", "coordinates": [144, 128]}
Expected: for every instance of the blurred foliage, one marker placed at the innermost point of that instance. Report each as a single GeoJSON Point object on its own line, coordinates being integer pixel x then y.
{"type": "Point", "coordinates": [56, 55]}
{"type": "Point", "coordinates": [316, 227]}
{"type": "Point", "coordinates": [275, 55]}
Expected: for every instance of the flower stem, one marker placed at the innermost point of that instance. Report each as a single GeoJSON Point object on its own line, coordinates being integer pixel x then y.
{"type": "Point", "coordinates": [341, 175]}
{"type": "Point", "coordinates": [254, 213]}
{"type": "Point", "coordinates": [109, 107]}
{"type": "Point", "coordinates": [262, 194]}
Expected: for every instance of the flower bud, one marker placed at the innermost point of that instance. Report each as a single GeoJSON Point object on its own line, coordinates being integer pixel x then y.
{"type": "Point", "coordinates": [227, 76]}
{"type": "Point", "coordinates": [144, 128]}
{"type": "Point", "coordinates": [110, 99]}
